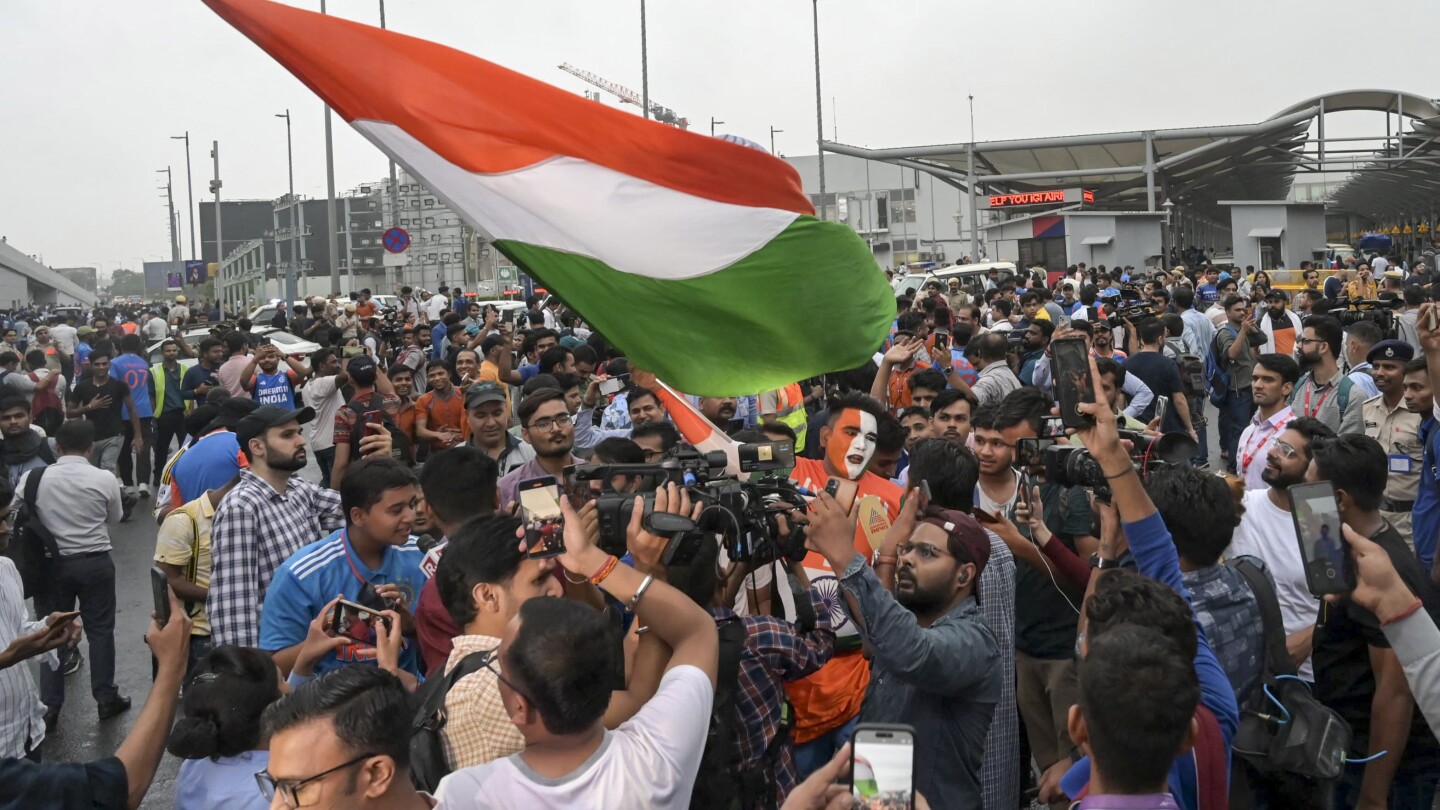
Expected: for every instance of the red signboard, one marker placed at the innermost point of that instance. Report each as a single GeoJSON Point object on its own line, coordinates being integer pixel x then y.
{"type": "Point", "coordinates": [1054, 196]}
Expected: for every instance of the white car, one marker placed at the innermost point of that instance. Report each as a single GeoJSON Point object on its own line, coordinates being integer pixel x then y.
{"type": "Point", "coordinates": [289, 344]}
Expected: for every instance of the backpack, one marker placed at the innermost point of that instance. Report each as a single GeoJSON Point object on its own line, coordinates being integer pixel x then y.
{"type": "Point", "coordinates": [721, 784]}
{"type": "Point", "coordinates": [32, 546]}
{"type": "Point", "coordinates": [1192, 369]}
{"type": "Point", "coordinates": [428, 763]}
{"type": "Point", "coordinates": [399, 442]}
{"type": "Point", "coordinates": [1342, 399]}
{"type": "Point", "coordinates": [1283, 728]}
{"type": "Point", "coordinates": [1217, 377]}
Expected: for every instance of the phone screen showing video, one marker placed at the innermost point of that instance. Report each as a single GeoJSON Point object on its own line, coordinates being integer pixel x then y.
{"type": "Point", "coordinates": [1322, 545]}
{"type": "Point", "coordinates": [1071, 372]}
{"type": "Point", "coordinates": [540, 509]}
{"type": "Point", "coordinates": [883, 769]}
{"type": "Point", "coordinates": [356, 622]}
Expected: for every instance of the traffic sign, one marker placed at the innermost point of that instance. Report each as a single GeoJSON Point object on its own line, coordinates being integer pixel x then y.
{"type": "Point", "coordinates": [505, 273]}
{"type": "Point", "coordinates": [396, 240]}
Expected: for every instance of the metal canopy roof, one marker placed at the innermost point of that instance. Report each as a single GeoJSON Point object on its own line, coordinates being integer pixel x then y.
{"type": "Point", "coordinates": [1402, 180]}
{"type": "Point", "coordinates": [1195, 167]}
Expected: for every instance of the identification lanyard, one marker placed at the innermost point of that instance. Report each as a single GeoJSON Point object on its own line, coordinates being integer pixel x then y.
{"type": "Point", "coordinates": [1318, 405]}
{"type": "Point", "coordinates": [345, 540]}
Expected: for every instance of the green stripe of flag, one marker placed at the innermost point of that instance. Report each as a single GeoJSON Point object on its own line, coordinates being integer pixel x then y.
{"type": "Point", "coordinates": [811, 301]}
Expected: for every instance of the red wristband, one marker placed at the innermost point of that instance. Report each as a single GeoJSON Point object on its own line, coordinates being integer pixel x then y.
{"type": "Point", "coordinates": [599, 576]}
{"type": "Point", "coordinates": [1405, 614]}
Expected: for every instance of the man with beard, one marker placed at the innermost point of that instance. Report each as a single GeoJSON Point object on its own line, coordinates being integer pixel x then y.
{"type": "Point", "coordinates": [935, 661]}
{"type": "Point", "coordinates": [24, 449]}
{"type": "Point", "coordinates": [1235, 348]}
{"type": "Point", "coordinates": [720, 411]}
{"type": "Point", "coordinates": [1037, 338]}
{"type": "Point", "coordinates": [1279, 325]}
{"type": "Point", "coordinates": [827, 703]}
{"type": "Point", "coordinates": [1271, 383]}
{"type": "Point", "coordinates": [1397, 429]}
{"type": "Point", "coordinates": [950, 416]}
{"type": "Point", "coordinates": [545, 425]}
{"type": "Point", "coordinates": [1267, 531]}
{"type": "Point", "coordinates": [1324, 392]}
{"type": "Point", "coordinates": [270, 514]}
{"type": "Point", "coordinates": [487, 418]}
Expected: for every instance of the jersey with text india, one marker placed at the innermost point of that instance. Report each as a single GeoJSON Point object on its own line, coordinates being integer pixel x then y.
{"type": "Point", "coordinates": [831, 696]}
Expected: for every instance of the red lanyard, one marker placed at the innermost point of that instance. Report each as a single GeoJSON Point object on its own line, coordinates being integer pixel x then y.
{"type": "Point", "coordinates": [345, 547]}
{"type": "Point", "coordinates": [1318, 405]}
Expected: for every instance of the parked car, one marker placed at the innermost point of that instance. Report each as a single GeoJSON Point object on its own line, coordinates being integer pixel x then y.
{"type": "Point", "coordinates": [972, 277]}
{"type": "Point", "coordinates": [289, 344]}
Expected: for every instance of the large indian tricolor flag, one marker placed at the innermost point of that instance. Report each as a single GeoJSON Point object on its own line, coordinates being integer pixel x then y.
{"type": "Point", "coordinates": [701, 259]}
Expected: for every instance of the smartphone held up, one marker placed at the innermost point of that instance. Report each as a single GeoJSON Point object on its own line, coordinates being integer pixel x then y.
{"type": "Point", "coordinates": [544, 523]}
{"type": "Point", "coordinates": [1329, 568]}
{"type": "Point", "coordinates": [882, 765]}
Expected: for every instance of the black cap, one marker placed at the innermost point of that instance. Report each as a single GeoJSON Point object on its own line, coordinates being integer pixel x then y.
{"type": "Point", "coordinates": [269, 416]}
{"type": "Point", "coordinates": [232, 410]}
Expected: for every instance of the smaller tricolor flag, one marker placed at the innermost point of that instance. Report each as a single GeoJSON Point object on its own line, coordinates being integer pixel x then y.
{"type": "Point", "coordinates": [699, 258]}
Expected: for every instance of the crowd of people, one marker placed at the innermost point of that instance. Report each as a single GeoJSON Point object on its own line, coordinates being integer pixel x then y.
{"type": "Point", "coordinates": [386, 627]}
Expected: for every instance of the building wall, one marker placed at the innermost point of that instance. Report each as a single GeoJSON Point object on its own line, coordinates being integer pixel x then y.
{"type": "Point", "coordinates": [934, 228]}
{"type": "Point", "coordinates": [1305, 237]}
{"type": "Point", "coordinates": [1303, 234]}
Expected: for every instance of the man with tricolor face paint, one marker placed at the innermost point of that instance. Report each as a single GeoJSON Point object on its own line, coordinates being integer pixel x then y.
{"type": "Point", "coordinates": [827, 702]}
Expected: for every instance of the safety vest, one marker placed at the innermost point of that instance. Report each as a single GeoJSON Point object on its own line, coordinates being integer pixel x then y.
{"type": "Point", "coordinates": [790, 410]}
{"type": "Point", "coordinates": [157, 373]}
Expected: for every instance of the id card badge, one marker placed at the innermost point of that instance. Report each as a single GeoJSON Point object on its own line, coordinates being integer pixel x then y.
{"type": "Point", "coordinates": [1401, 463]}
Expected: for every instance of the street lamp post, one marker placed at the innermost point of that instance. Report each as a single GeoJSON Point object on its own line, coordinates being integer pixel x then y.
{"type": "Point", "coordinates": [819, 108]}
{"type": "Point", "coordinates": [773, 130]}
{"type": "Point", "coordinates": [330, 231]}
{"type": "Point", "coordinates": [291, 292]}
{"type": "Point", "coordinates": [713, 122]}
{"type": "Point", "coordinates": [189, 190]}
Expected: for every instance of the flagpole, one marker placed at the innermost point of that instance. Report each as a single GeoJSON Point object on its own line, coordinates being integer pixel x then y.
{"type": "Point", "coordinates": [394, 183]}
{"type": "Point", "coordinates": [644, 66]}
{"type": "Point", "coordinates": [332, 242]}
{"type": "Point", "coordinates": [819, 109]}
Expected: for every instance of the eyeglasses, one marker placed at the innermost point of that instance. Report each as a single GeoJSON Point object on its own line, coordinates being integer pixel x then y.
{"type": "Point", "coordinates": [8, 519]}
{"type": "Point", "coordinates": [1286, 449]}
{"type": "Point", "coordinates": [1304, 341]}
{"type": "Point", "coordinates": [924, 551]}
{"type": "Point", "coordinates": [545, 423]}
{"type": "Point", "coordinates": [488, 662]}
{"type": "Point", "coordinates": [289, 789]}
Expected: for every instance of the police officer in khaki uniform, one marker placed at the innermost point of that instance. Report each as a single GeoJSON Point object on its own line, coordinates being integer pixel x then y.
{"type": "Point", "coordinates": [1397, 430]}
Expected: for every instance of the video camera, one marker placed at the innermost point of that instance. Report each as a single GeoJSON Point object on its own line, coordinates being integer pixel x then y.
{"type": "Point", "coordinates": [743, 512]}
{"type": "Point", "coordinates": [1380, 311]}
{"type": "Point", "coordinates": [1133, 306]}
{"type": "Point", "coordinates": [1071, 466]}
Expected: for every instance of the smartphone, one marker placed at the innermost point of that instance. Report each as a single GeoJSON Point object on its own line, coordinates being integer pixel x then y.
{"type": "Point", "coordinates": [371, 418]}
{"type": "Point", "coordinates": [160, 589]}
{"type": "Point", "coordinates": [882, 765]}
{"type": "Point", "coordinates": [1029, 454]}
{"type": "Point", "coordinates": [766, 456]}
{"type": "Point", "coordinates": [1070, 368]}
{"type": "Point", "coordinates": [352, 351]}
{"type": "Point", "coordinates": [540, 509]}
{"type": "Point", "coordinates": [611, 386]}
{"type": "Point", "coordinates": [356, 622]}
{"type": "Point", "coordinates": [1162, 405]}
{"type": "Point", "coordinates": [1328, 568]}
{"type": "Point", "coordinates": [942, 340]}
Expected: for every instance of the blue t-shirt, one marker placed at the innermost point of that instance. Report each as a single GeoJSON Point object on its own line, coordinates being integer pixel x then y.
{"type": "Point", "coordinates": [135, 373]}
{"type": "Point", "coordinates": [209, 463]}
{"type": "Point", "coordinates": [82, 356]}
{"type": "Point", "coordinates": [1425, 517]}
{"type": "Point", "coordinates": [312, 576]}
{"type": "Point", "coordinates": [274, 389]}
{"type": "Point", "coordinates": [437, 341]}
{"type": "Point", "coordinates": [1207, 294]}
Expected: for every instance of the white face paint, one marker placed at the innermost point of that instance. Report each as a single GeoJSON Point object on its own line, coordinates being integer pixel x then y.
{"type": "Point", "coordinates": [852, 442]}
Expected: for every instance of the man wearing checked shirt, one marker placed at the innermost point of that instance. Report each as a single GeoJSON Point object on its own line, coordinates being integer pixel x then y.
{"type": "Point", "coordinates": [269, 516]}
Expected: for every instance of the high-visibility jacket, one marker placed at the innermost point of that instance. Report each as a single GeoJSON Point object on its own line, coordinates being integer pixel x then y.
{"type": "Point", "coordinates": [790, 410]}
{"type": "Point", "coordinates": [157, 373]}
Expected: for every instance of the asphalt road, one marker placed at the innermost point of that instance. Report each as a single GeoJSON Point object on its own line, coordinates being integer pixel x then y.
{"type": "Point", "coordinates": [80, 736]}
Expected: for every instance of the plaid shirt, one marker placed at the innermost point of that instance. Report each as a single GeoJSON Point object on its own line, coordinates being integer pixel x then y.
{"type": "Point", "coordinates": [255, 530]}
{"type": "Point", "coordinates": [999, 778]}
{"type": "Point", "coordinates": [477, 727]}
{"type": "Point", "coordinates": [774, 653]}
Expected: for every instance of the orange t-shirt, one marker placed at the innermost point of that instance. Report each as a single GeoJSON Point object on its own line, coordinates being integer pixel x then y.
{"type": "Point", "coordinates": [833, 694]}
{"type": "Point", "coordinates": [405, 420]}
{"type": "Point", "coordinates": [441, 413]}
{"type": "Point", "coordinates": [365, 308]}
{"type": "Point", "coordinates": [899, 390]}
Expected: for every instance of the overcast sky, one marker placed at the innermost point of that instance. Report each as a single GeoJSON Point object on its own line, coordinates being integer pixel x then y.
{"type": "Point", "coordinates": [92, 89]}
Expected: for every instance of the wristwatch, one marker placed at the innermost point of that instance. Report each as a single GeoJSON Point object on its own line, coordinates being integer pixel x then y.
{"type": "Point", "coordinates": [1096, 561]}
